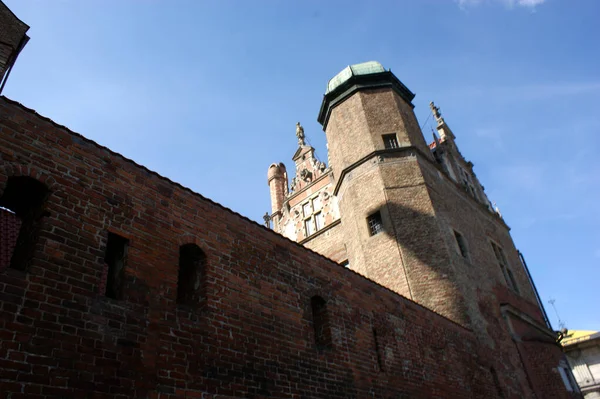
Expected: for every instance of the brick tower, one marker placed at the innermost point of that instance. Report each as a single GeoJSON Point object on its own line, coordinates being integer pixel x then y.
{"type": "Point", "coordinates": [12, 40]}
{"type": "Point", "coordinates": [412, 217]}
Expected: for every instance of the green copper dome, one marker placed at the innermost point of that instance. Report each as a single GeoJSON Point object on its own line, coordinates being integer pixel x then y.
{"type": "Point", "coordinates": [365, 68]}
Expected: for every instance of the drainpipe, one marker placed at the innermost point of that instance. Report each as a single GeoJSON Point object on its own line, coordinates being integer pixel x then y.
{"type": "Point", "coordinates": [537, 295]}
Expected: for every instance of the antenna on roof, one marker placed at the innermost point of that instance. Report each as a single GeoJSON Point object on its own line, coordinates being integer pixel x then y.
{"type": "Point", "coordinates": [561, 323]}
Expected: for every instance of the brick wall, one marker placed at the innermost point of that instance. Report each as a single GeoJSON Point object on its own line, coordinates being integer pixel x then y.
{"type": "Point", "coordinates": [252, 334]}
{"type": "Point", "coordinates": [9, 231]}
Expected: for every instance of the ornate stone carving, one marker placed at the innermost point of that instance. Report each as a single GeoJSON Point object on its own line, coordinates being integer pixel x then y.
{"type": "Point", "coordinates": [305, 175]}
{"type": "Point", "coordinates": [300, 134]}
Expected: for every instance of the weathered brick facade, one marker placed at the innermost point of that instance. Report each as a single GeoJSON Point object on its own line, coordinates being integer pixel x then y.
{"type": "Point", "coordinates": [251, 335]}
{"type": "Point", "coordinates": [12, 40]}
{"type": "Point", "coordinates": [116, 282]}
{"type": "Point", "coordinates": [414, 218]}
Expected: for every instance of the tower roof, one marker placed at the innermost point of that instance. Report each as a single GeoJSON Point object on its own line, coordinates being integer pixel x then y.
{"type": "Point", "coordinates": [367, 75]}
{"type": "Point", "coordinates": [364, 68]}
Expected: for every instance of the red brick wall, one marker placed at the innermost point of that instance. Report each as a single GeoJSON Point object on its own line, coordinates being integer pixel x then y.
{"type": "Point", "coordinates": [9, 231]}
{"type": "Point", "coordinates": [250, 337]}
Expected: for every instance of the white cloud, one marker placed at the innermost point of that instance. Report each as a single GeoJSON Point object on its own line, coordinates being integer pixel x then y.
{"type": "Point", "coordinates": [509, 3]}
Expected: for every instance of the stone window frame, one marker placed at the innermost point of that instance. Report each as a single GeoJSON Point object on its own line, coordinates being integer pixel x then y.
{"type": "Point", "coordinates": [390, 141]}
{"type": "Point", "coordinates": [375, 223]}
{"type": "Point", "coordinates": [311, 226]}
{"type": "Point", "coordinates": [502, 260]}
{"type": "Point", "coordinates": [467, 181]}
{"type": "Point", "coordinates": [461, 245]}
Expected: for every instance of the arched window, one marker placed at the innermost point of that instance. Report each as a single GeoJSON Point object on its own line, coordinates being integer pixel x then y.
{"type": "Point", "coordinates": [321, 322]}
{"type": "Point", "coordinates": [25, 197]}
{"type": "Point", "coordinates": [192, 263]}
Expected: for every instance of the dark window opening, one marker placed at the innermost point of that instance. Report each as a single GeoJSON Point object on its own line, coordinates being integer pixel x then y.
{"type": "Point", "coordinates": [191, 269]}
{"type": "Point", "coordinates": [115, 259]}
{"type": "Point", "coordinates": [462, 244]}
{"type": "Point", "coordinates": [509, 277]}
{"type": "Point", "coordinates": [375, 224]}
{"type": "Point", "coordinates": [377, 350]}
{"type": "Point", "coordinates": [321, 322]}
{"type": "Point", "coordinates": [513, 281]}
{"type": "Point", "coordinates": [24, 197]}
{"type": "Point", "coordinates": [390, 141]}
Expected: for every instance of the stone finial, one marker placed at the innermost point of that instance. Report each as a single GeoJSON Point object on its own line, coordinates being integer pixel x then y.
{"type": "Point", "coordinates": [300, 134]}
{"type": "Point", "coordinates": [436, 113]}
{"type": "Point", "coordinates": [497, 210]}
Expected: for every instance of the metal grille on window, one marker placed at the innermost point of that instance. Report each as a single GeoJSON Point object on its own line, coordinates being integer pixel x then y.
{"type": "Point", "coordinates": [374, 222]}
{"type": "Point", "coordinates": [390, 141]}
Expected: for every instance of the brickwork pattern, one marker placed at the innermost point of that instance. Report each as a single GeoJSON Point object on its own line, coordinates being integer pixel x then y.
{"type": "Point", "coordinates": [12, 31]}
{"type": "Point", "coordinates": [417, 254]}
{"type": "Point", "coordinates": [9, 232]}
{"type": "Point", "coordinates": [253, 336]}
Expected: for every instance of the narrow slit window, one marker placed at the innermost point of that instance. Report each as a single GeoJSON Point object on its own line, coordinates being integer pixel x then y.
{"type": "Point", "coordinates": [375, 224]}
{"type": "Point", "coordinates": [22, 206]}
{"type": "Point", "coordinates": [377, 350]}
{"type": "Point", "coordinates": [191, 269]}
{"type": "Point", "coordinates": [462, 244]}
{"type": "Point", "coordinates": [321, 322]}
{"type": "Point", "coordinates": [390, 141]}
{"type": "Point", "coordinates": [506, 270]}
{"type": "Point", "coordinates": [115, 259]}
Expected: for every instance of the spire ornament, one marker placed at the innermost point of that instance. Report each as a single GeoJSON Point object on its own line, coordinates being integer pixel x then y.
{"type": "Point", "coordinates": [436, 113]}
{"type": "Point", "coordinates": [300, 134]}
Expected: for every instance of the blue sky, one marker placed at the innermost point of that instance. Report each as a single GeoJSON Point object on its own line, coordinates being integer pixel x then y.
{"type": "Point", "coordinates": [207, 93]}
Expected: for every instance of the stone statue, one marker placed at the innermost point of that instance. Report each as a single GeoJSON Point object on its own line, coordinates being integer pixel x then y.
{"type": "Point", "coordinates": [300, 134]}
{"type": "Point", "coordinates": [436, 113]}
{"type": "Point", "coordinates": [293, 185]}
{"type": "Point", "coordinates": [267, 220]}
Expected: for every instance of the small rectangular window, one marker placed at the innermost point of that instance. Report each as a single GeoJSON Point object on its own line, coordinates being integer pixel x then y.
{"type": "Point", "coordinates": [375, 224]}
{"type": "Point", "coordinates": [308, 227]}
{"type": "Point", "coordinates": [462, 244]}
{"type": "Point", "coordinates": [115, 259]}
{"type": "Point", "coordinates": [316, 203]}
{"type": "Point", "coordinates": [506, 271]}
{"type": "Point", "coordinates": [306, 211]}
{"type": "Point", "coordinates": [318, 221]}
{"type": "Point", "coordinates": [390, 141]}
